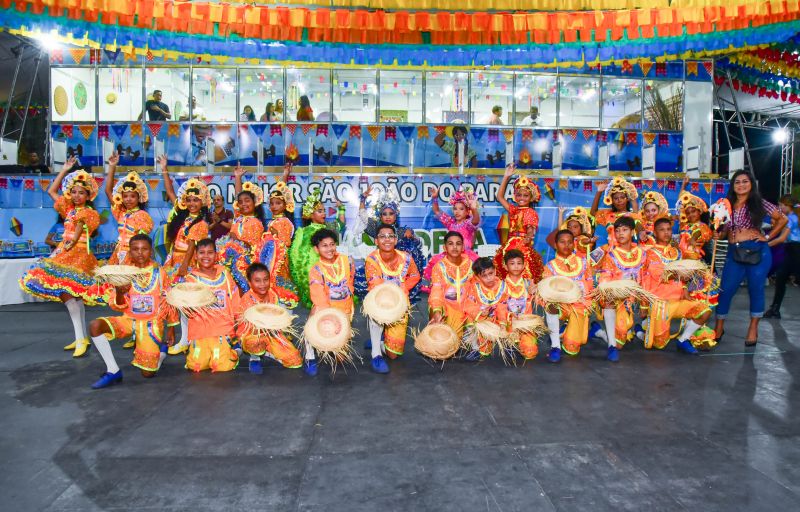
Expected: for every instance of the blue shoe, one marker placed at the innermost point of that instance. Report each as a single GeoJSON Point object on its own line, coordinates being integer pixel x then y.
{"type": "Point", "coordinates": [108, 379]}
{"type": "Point", "coordinates": [554, 355]}
{"type": "Point", "coordinates": [473, 356]}
{"type": "Point", "coordinates": [638, 331]}
{"type": "Point", "coordinates": [368, 344]}
{"type": "Point", "coordinates": [255, 367]}
{"type": "Point", "coordinates": [686, 347]}
{"type": "Point", "coordinates": [613, 354]}
{"type": "Point", "coordinates": [379, 365]}
{"type": "Point", "coordinates": [594, 329]}
{"type": "Point", "coordinates": [310, 367]}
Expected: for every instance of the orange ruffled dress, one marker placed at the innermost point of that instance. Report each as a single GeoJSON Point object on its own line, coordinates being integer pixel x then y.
{"type": "Point", "coordinates": [66, 271]}
{"type": "Point", "coordinates": [519, 218]}
{"type": "Point", "coordinates": [129, 223]}
{"type": "Point", "coordinates": [185, 236]}
{"type": "Point", "coordinates": [239, 251]}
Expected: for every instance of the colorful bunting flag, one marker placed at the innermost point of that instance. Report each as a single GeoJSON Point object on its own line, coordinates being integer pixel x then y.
{"type": "Point", "coordinates": [174, 130]}
{"type": "Point", "coordinates": [56, 56]}
{"type": "Point", "coordinates": [119, 130]}
{"type": "Point", "coordinates": [355, 132]}
{"type": "Point", "coordinates": [155, 129]}
{"type": "Point", "coordinates": [508, 134]}
{"type": "Point", "coordinates": [588, 134]}
{"type": "Point", "coordinates": [78, 54]}
{"type": "Point", "coordinates": [66, 129]}
{"type": "Point", "coordinates": [477, 133]}
{"type": "Point", "coordinates": [691, 68]}
{"type": "Point", "coordinates": [587, 186]}
{"type": "Point", "coordinates": [562, 183]}
{"type": "Point", "coordinates": [649, 138]}
{"type": "Point", "coordinates": [338, 129]}
{"type": "Point", "coordinates": [527, 135]}
{"type": "Point", "coordinates": [44, 183]}
{"type": "Point", "coordinates": [374, 131]}
{"type": "Point", "coordinates": [29, 184]}
{"type": "Point", "coordinates": [136, 130]}
{"type": "Point", "coordinates": [153, 183]}
{"type": "Point", "coordinates": [707, 186]}
{"type": "Point", "coordinates": [102, 131]}
{"type": "Point", "coordinates": [322, 129]}
{"type": "Point", "coordinates": [695, 186]}
{"type": "Point", "coordinates": [631, 138]}
{"type": "Point", "coordinates": [291, 128]}
{"type": "Point", "coordinates": [3, 183]}
{"type": "Point", "coordinates": [306, 128]}
{"type": "Point", "coordinates": [494, 135]}
{"type": "Point", "coordinates": [406, 131]}
{"type": "Point", "coordinates": [663, 139]}
{"type": "Point", "coordinates": [390, 132]}
{"type": "Point", "coordinates": [646, 66]}
{"type": "Point", "coordinates": [87, 130]}
{"type": "Point", "coordinates": [276, 130]}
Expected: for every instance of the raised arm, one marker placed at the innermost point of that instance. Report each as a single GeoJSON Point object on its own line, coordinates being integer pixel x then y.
{"type": "Point", "coordinates": [596, 203]}
{"type": "Point", "coordinates": [113, 160]}
{"type": "Point", "coordinates": [501, 192]}
{"type": "Point", "coordinates": [362, 205]}
{"type": "Point", "coordinates": [55, 187]}
{"type": "Point", "coordinates": [435, 201]}
{"type": "Point", "coordinates": [168, 188]}
{"type": "Point", "coordinates": [238, 172]}
{"type": "Point", "coordinates": [476, 214]}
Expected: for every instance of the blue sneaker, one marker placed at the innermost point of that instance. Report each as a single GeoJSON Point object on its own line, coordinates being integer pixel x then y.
{"type": "Point", "coordinates": [554, 355]}
{"type": "Point", "coordinates": [368, 344]}
{"type": "Point", "coordinates": [256, 367]}
{"type": "Point", "coordinates": [562, 327]}
{"type": "Point", "coordinates": [310, 367]}
{"type": "Point", "coordinates": [613, 354]}
{"type": "Point", "coordinates": [379, 365]}
{"type": "Point", "coordinates": [473, 356]}
{"type": "Point", "coordinates": [594, 329]}
{"type": "Point", "coordinates": [108, 379]}
{"type": "Point", "coordinates": [638, 331]}
{"type": "Point", "coordinates": [686, 347]}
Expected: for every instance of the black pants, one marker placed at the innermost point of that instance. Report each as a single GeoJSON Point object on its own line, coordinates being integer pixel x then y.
{"type": "Point", "coordinates": [790, 265]}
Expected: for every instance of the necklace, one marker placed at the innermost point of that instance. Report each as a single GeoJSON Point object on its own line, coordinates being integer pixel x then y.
{"type": "Point", "coordinates": [457, 282]}
{"type": "Point", "coordinates": [572, 263]}
{"type": "Point", "coordinates": [154, 278]}
{"type": "Point", "coordinates": [628, 259]}
{"type": "Point", "coordinates": [488, 297]}
{"type": "Point", "coordinates": [518, 289]}
{"type": "Point", "coordinates": [335, 267]}
{"type": "Point", "coordinates": [389, 272]}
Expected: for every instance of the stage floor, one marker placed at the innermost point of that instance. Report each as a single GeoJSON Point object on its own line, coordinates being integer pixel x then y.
{"type": "Point", "coordinates": [657, 431]}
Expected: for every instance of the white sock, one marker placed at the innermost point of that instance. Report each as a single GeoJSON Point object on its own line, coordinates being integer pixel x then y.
{"type": "Point", "coordinates": [552, 324]}
{"type": "Point", "coordinates": [310, 356]}
{"type": "Point", "coordinates": [82, 307]}
{"type": "Point", "coordinates": [610, 320]}
{"type": "Point", "coordinates": [255, 358]}
{"type": "Point", "coordinates": [184, 330]}
{"type": "Point", "coordinates": [375, 333]}
{"type": "Point", "coordinates": [161, 357]}
{"type": "Point", "coordinates": [104, 347]}
{"type": "Point", "coordinates": [74, 307]}
{"type": "Point", "coordinates": [691, 326]}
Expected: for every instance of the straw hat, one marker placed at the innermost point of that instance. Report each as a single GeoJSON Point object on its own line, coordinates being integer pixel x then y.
{"type": "Point", "coordinates": [268, 319]}
{"type": "Point", "coordinates": [558, 290]}
{"type": "Point", "coordinates": [386, 304]}
{"type": "Point", "coordinates": [685, 269]}
{"type": "Point", "coordinates": [618, 185]}
{"type": "Point", "coordinates": [193, 187]}
{"type": "Point", "coordinates": [79, 179]}
{"type": "Point", "coordinates": [437, 341]}
{"type": "Point", "coordinates": [256, 190]}
{"type": "Point", "coordinates": [120, 275]}
{"type": "Point", "coordinates": [529, 324]}
{"type": "Point", "coordinates": [191, 298]}
{"type": "Point", "coordinates": [329, 332]}
{"type": "Point", "coordinates": [138, 186]}
{"type": "Point", "coordinates": [622, 289]}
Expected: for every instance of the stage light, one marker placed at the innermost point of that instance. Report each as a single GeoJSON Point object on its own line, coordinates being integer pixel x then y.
{"type": "Point", "coordinates": [780, 136]}
{"type": "Point", "coordinates": [48, 41]}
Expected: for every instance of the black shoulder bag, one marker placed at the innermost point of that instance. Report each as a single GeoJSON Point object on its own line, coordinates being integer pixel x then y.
{"type": "Point", "coordinates": [744, 255]}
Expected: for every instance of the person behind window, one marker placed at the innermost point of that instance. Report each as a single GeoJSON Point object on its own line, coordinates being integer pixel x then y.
{"type": "Point", "coordinates": [156, 109]}
{"type": "Point", "coordinates": [269, 113]}
{"type": "Point", "coordinates": [247, 114]}
{"type": "Point", "coordinates": [197, 112]}
{"type": "Point", "coordinates": [35, 164]}
{"type": "Point", "coordinates": [496, 117]}
{"type": "Point", "coordinates": [305, 113]}
{"type": "Point", "coordinates": [56, 233]}
{"type": "Point", "coordinates": [451, 147]}
{"type": "Point", "coordinates": [531, 119]}
{"type": "Point", "coordinates": [279, 115]}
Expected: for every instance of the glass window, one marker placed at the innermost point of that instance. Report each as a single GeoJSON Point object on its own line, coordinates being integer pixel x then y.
{"type": "Point", "coordinates": [312, 87]}
{"type": "Point", "coordinates": [622, 103]}
{"type": "Point", "coordinates": [401, 97]}
{"type": "Point", "coordinates": [354, 94]}
{"type": "Point", "coordinates": [535, 98]}
{"type": "Point", "coordinates": [663, 105]}
{"type": "Point", "coordinates": [447, 99]}
{"type": "Point", "coordinates": [120, 93]}
{"type": "Point", "coordinates": [492, 100]}
{"type": "Point", "coordinates": [262, 90]}
{"type": "Point", "coordinates": [172, 86]}
{"type": "Point", "coordinates": [214, 91]}
{"type": "Point", "coordinates": [72, 94]}
{"type": "Point", "coordinates": [579, 102]}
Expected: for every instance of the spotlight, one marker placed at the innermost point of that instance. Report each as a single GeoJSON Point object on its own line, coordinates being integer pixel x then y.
{"type": "Point", "coordinates": [48, 41]}
{"type": "Point", "coordinates": [780, 136]}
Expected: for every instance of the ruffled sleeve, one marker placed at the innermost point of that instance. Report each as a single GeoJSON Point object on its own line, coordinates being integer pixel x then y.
{"type": "Point", "coordinates": [117, 211]}
{"type": "Point", "coordinates": [141, 222]}
{"type": "Point", "coordinates": [89, 217]}
{"type": "Point", "coordinates": [445, 219]}
{"type": "Point", "coordinates": [198, 232]}
{"type": "Point", "coordinates": [63, 206]}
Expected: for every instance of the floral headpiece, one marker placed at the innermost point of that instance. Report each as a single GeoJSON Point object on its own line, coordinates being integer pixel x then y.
{"type": "Point", "coordinates": [463, 195]}
{"type": "Point", "coordinates": [387, 199]}
{"type": "Point", "coordinates": [193, 187]}
{"type": "Point", "coordinates": [687, 200]}
{"type": "Point", "coordinates": [283, 192]}
{"type": "Point", "coordinates": [580, 215]}
{"type": "Point", "coordinates": [80, 179]}
{"type": "Point", "coordinates": [655, 197]}
{"type": "Point", "coordinates": [525, 182]}
{"type": "Point", "coordinates": [257, 191]}
{"type": "Point", "coordinates": [138, 186]}
{"type": "Point", "coordinates": [619, 185]}
{"type": "Point", "coordinates": [313, 199]}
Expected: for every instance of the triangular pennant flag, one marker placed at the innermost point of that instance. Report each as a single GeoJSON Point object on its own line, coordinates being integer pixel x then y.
{"type": "Point", "coordinates": [440, 129]}
{"type": "Point", "coordinates": [102, 131]}
{"type": "Point", "coordinates": [94, 56]}
{"type": "Point", "coordinates": [423, 132]}
{"type": "Point", "coordinates": [275, 130]}
{"type": "Point", "coordinates": [66, 129]}
{"type": "Point", "coordinates": [78, 54]}
{"type": "Point", "coordinates": [173, 130]}
{"type": "Point", "coordinates": [508, 134]}
{"type": "Point", "coordinates": [87, 130]}
{"type": "Point", "coordinates": [291, 128]}
{"type": "Point", "coordinates": [4, 183]}
{"type": "Point", "coordinates": [663, 139]}
{"type": "Point", "coordinates": [136, 130]}
{"type": "Point", "coordinates": [406, 131]}
{"type": "Point", "coordinates": [153, 183]}
{"type": "Point", "coordinates": [477, 133]}
{"type": "Point", "coordinates": [155, 129]}
{"type": "Point", "coordinates": [588, 134]}
{"type": "Point", "coordinates": [119, 130]}
{"type": "Point", "coordinates": [649, 138]}
{"type": "Point", "coordinates": [708, 66]}
{"type": "Point", "coordinates": [390, 132]}
{"type": "Point", "coordinates": [494, 135]}
{"type": "Point", "coordinates": [587, 186]}
{"type": "Point", "coordinates": [29, 184]}
{"type": "Point", "coordinates": [661, 183]}
{"type": "Point", "coordinates": [54, 130]}
{"type": "Point", "coordinates": [719, 188]}
{"type": "Point", "coordinates": [549, 181]}
{"type": "Point", "coordinates": [695, 186]}
{"type": "Point", "coordinates": [208, 179]}
{"type": "Point", "coordinates": [562, 184]}
{"type": "Point", "coordinates": [671, 185]}
{"type": "Point", "coordinates": [691, 68]}
{"type": "Point", "coordinates": [16, 182]}
{"type": "Point", "coordinates": [112, 55]}
{"type": "Point", "coordinates": [646, 65]}
{"type": "Point", "coordinates": [527, 135]}
{"type": "Point", "coordinates": [44, 183]}
{"type": "Point", "coordinates": [338, 129]}
{"type": "Point", "coordinates": [631, 138]}
{"type": "Point", "coordinates": [637, 184]}
{"type": "Point", "coordinates": [355, 132]}
{"type": "Point", "coordinates": [572, 133]}
{"type": "Point", "coordinates": [322, 129]}
{"type": "Point", "coordinates": [56, 56]}
{"type": "Point", "coordinates": [707, 186]}
{"type": "Point", "coordinates": [259, 129]}
{"type": "Point", "coordinates": [374, 131]}
{"type": "Point", "coordinates": [306, 128]}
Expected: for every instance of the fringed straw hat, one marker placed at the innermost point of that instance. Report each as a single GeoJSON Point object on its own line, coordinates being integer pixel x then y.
{"type": "Point", "coordinates": [80, 179]}
{"type": "Point", "coordinates": [191, 298]}
{"type": "Point", "coordinates": [329, 332]}
{"type": "Point", "coordinates": [619, 185]}
{"type": "Point", "coordinates": [558, 290]}
{"type": "Point", "coordinates": [623, 289]}
{"type": "Point", "coordinates": [268, 319]}
{"type": "Point", "coordinates": [685, 270]}
{"type": "Point", "coordinates": [120, 275]}
{"type": "Point", "coordinates": [124, 185]}
{"type": "Point", "coordinates": [437, 341]}
{"type": "Point", "coordinates": [386, 304]}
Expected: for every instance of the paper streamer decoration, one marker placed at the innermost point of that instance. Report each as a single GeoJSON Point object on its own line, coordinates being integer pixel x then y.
{"type": "Point", "coordinates": [87, 130]}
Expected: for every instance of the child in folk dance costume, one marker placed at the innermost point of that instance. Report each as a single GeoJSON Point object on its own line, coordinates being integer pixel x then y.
{"type": "Point", "coordinates": [302, 255]}
{"type": "Point", "coordinates": [239, 251]}
{"type": "Point", "coordinates": [388, 264]}
{"type": "Point", "coordinates": [66, 275]}
{"type": "Point", "coordinates": [694, 231]}
{"type": "Point", "coordinates": [621, 197]}
{"type": "Point", "coordinates": [128, 198]}
{"type": "Point", "coordinates": [273, 249]}
{"type": "Point", "coordinates": [654, 207]}
{"type": "Point", "coordinates": [622, 261]}
{"type": "Point", "coordinates": [210, 333]}
{"type": "Point", "coordinates": [580, 225]}
{"type": "Point", "coordinates": [449, 281]}
{"type": "Point", "coordinates": [517, 299]}
{"type": "Point", "coordinates": [144, 310]}
{"type": "Point", "coordinates": [185, 230]}
{"type": "Point", "coordinates": [276, 346]}
{"type": "Point", "coordinates": [569, 264]}
{"type": "Point", "coordinates": [523, 223]}
{"type": "Point", "coordinates": [673, 297]}
{"type": "Point", "coordinates": [484, 299]}
{"type": "Point", "coordinates": [330, 283]}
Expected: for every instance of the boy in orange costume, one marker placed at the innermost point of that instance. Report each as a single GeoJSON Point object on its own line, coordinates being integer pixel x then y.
{"type": "Point", "coordinates": [278, 346]}
{"type": "Point", "coordinates": [330, 283]}
{"type": "Point", "coordinates": [673, 296]}
{"type": "Point", "coordinates": [387, 264]}
{"type": "Point", "coordinates": [211, 331]}
{"type": "Point", "coordinates": [517, 298]}
{"type": "Point", "coordinates": [568, 264]}
{"type": "Point", "coordinates": [143, 309]}
{"type": "Point", "coordinates": [449, 280]}
{"type": "Point", "coordinates": [484, 300]}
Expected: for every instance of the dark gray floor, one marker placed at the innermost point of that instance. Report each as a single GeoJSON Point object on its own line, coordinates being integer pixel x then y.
{"type": "Point", "coordinates": [658, 431]}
